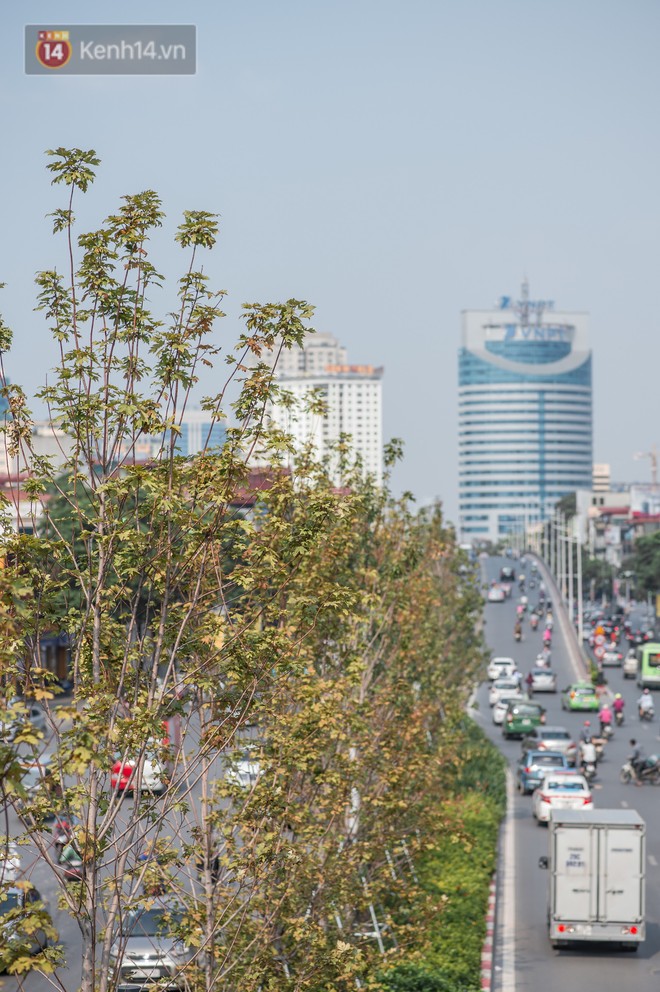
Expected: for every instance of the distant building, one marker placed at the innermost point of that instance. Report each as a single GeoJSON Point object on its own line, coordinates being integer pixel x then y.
{"type": "Point", "coordinates": [601, 478]}
{"type": "Point", "coordinates": [199, 433]}
{"type": "Point", "coordinates": [525, 415]}
{"type": "Point", "coordinates": [352, 395]}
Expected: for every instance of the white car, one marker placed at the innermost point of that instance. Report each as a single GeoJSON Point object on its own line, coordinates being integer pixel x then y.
{"type": "Point", "coordinates": [500, 707]}
{"type": "Point", "coordinates": [496, 595]}
{"type": "Point", "coordinates": [612, 657]}
{"type": "Point", "coordinates": [503, 687]}
{"type": "Point", "coordinates": [561, 790]}
{"type": "Point", "coordinates": [543, 680]}
{"type": "Point", "coordinates": [501, 668]}
{"type": "Point", "coordinates": [243, 770]}
{"type": "Point", "coordinates": [10, 861]}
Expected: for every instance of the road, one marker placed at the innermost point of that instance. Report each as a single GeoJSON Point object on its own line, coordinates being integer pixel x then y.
{"type": "Point", "coordinates": [524, 960]}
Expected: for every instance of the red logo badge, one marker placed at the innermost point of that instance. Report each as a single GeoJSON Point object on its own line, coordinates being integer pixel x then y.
{"type": "Point", "coordinates": [53, 49]}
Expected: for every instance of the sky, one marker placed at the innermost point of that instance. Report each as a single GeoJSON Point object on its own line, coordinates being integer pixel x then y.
{"type": "Point", "coordinates": [392, 162]}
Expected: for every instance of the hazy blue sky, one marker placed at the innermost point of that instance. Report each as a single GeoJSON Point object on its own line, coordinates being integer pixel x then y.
{"type": "Point", "coordinates": [390, 162]}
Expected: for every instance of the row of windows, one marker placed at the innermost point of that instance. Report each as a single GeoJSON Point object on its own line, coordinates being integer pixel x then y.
{"type": "Point", "coordinates": [497, 448]}
{"type": "Point", "coordinates": [527, 399]}
{"type": "Point", "coordinates": [520, 504]}
{"type": "Point", "coordinates": [505, 471]}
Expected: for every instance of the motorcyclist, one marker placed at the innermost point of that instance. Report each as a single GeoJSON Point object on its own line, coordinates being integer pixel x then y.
{"type": "Point", "coordinates": [586, 732]}
{"type": "Point", "coordinates": [636, 759]}
{"type": "Point", "coordinates": [517, 630]}
{"type": "Point", "coordinates": [606, 717]}
{"type": "Point", "coordinates": [645, 702]}
{"type": "Point", "coordinates": [533, 621]}
{"type": "Point", "coordinates": [547, 637]}
{"type": "Point", "coordinates": [588, 754]}
{"type": "Point", "coordinates": [618, 704]}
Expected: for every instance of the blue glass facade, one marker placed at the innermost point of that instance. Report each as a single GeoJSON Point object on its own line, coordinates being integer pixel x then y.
{"type": "Point", "coordinates": [525, 419]}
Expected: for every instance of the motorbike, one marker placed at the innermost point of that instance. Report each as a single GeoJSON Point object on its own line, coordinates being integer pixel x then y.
{"type": "Point", "coordinates": [533, 621]}
{"type": "Point", "coordinates": [517, 635]}
{"type": "Point", "coordinates": [62, 833]}
{"type": "Point", "coordinates": [646, 712]}
{"type": "Point", "coordinates": [588, 769]}
{"type": "Point", "coordinates": [618, 717]}
{"type": "Point", "coordinates": [607, 731]}
{"type": "Point", "coordinates": [71, 867]}
{"type": "Point", "coordinates": [649, 772]}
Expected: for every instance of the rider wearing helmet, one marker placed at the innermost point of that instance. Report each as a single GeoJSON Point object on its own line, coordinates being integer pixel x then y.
{"type": "Point", "coordinates": [618, 703]}
{"type": "Point", "coordinates": [606, 716]}
{"type": "Point", "coordinates": [585, 733]}
{"type": "Point", "coordinates": [645, 701]}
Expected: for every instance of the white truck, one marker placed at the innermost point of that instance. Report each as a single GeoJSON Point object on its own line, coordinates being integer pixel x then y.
{"type": "Point", "coordinates": [596, 891]}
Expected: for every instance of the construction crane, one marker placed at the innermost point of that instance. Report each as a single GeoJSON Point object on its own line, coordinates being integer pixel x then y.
{"type": "Point", "coordinates": [653, 455]}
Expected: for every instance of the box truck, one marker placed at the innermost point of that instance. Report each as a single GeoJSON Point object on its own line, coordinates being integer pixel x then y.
{"type": "Point", "coordinates": [596, 885]}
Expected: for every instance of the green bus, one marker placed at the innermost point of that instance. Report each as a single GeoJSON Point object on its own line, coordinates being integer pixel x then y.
{"type": "Point", "coordinates": [648, 665]}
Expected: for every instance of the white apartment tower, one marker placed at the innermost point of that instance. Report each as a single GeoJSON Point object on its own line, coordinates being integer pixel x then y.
{"type": "Point", "coordinates": [352, 395]}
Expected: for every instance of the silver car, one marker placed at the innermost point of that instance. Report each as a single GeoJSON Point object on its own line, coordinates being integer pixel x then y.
{"type": "Point", "coordinates": [149, 948]}
{"type": "Point", "coordinates": [551, 739]}
{"type": "Point", "coordinates": [543, 680]}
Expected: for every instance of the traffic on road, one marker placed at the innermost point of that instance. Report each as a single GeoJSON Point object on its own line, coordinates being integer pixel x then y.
{"type": "Point", "coordinates": [565, 760]}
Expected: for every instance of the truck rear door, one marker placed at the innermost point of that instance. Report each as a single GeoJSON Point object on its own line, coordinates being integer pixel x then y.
{"type": "Point", "coordinates": [575, 872]}
{"type": "Point", "coordinates": [621, 888]}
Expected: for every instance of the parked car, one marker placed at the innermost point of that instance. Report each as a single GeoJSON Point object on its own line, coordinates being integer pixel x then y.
{"type": "Point", "coordinates": [561, 791]}
{"type": "Point", "coordinates": [22, 714]}
{"type": "Point", "coordinates": [533, 766]}
{"type": "Point", "coordinates": [38, 778]}
{"type": "Point", "coordinates": [17, 938]}
{"type": "Point", "coordinates": [580, 696]}
{"type": "Point", "coordinates": [149, 947]}
{"type": "Point", "coordinates": [124, 776]}
{"type": "Point", "coordinates": [500, 668]}
{"type": "Point", "coordinates": [544, 738]}
{"type": "Point", "coordinates": [244, 769]}
{"type": "Point", "coordinates": [10, 861]}
{"type": "Point", "coordinates": [503, 687]}
{"type": "Point", "coordinates": [520, 717]}
{"type": "Point", "coordinates": [543, 680]}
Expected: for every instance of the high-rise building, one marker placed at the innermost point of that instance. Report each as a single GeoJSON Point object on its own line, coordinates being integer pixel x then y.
{"type": "Point", "coordinates": [351, 394]}
{"type": "Point", "coordinates": [525, 414]}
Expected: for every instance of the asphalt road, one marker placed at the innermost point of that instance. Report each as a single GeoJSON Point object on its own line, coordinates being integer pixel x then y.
{"type": "Point", "coordinates": [524, 960]}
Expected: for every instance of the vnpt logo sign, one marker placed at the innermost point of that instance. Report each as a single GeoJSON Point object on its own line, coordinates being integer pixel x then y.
{"type": "Point", "coordinates": [538, 332]}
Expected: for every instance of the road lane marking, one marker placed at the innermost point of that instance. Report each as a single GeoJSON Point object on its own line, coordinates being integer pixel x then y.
{"type": "Point", "coordinates": [653, 861]}
{"type": "Point", "coordinates": [624, 804]}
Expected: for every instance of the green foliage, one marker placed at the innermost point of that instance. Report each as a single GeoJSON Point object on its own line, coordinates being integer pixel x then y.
{"type": "Point", "coordinates": [645, 563]}
{"type": "Point", "coordinates": [329, 637]}
{"type": "Point", "coordinates": [456, 872]}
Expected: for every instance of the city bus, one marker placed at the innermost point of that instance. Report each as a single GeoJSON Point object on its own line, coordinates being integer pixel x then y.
{"type": "Point", "coordinates": [648, 665]}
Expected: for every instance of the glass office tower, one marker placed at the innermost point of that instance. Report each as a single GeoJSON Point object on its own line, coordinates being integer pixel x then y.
{"type": "Point", "coordinates": [525, 414]}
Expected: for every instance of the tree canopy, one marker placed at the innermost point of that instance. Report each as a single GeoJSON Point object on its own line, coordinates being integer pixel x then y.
{"type": "Point", "coordinates": [297, 673]}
